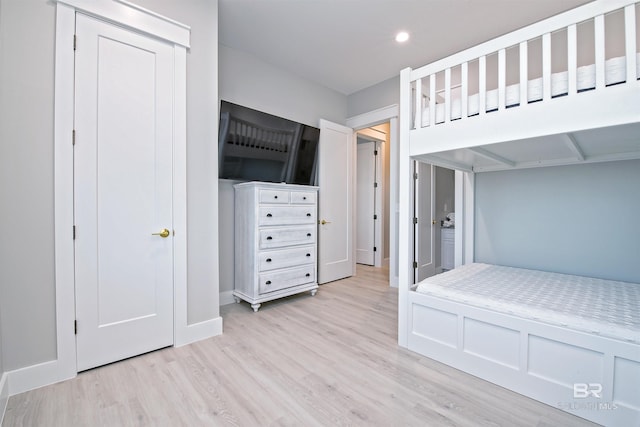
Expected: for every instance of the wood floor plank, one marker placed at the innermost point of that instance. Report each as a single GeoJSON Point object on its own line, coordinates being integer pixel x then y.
{"type": "Point", "coordinates": [326, 360]}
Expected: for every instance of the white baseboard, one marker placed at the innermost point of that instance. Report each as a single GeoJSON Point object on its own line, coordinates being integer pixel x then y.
{"type": "Point", "coordinates": [4, 394]}
{"type": "Point", "coordinates": [226, 298]}
{"type": "Point", "coordinates": [199, 331]}
{"type": "Point", "coordinates": [35, 376]}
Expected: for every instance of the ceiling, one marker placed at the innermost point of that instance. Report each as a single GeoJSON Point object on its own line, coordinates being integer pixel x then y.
{"type": "Point", "coordinates": [348, 45]}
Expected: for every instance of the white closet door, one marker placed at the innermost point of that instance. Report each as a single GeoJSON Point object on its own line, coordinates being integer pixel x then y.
{"type": "Point", "coordinates": [123, 184]}
{"type": "Point", "coordinates": [336, 180]}
{"type": "Point", "coordinates": [365, 202]}
{"type": "Point", "coordinates": [424, 227]}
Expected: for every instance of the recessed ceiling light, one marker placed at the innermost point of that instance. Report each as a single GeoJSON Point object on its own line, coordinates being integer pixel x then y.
{"type": "Point", "coordinates": [402, 37]}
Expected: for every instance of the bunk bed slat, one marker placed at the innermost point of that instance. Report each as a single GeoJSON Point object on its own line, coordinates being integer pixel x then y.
{"type": "Point", "coordinates": [630, 45]}
{"type": "Point", "coordinates": [546, 66]}
{"type": "Point", "coordinates": [524, 74]}
{"type": "Point", "coordinates": [482, 85]}
{"type": "Point", "coordinates": [600, 51]}
{"type": "Point", "coordinates": [432, 100]}
{"type": "Point", "coordinates": [502, 78]}
{"type": "Point", "coordinates": [464, 90]}
{"type": "Point", "coordinates": [419, 105]}
{"type": "Point", "coordinates": [572, 59]}
{"type": "Point", "coordinates": [447, 95]}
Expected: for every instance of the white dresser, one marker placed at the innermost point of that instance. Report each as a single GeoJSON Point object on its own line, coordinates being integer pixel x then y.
{"type": "Point", "coordinates": [275, 241]}
{"type": "Point", "coordinates": [447, 254]}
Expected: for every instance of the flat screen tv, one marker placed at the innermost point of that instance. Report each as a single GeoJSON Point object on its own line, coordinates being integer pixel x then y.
{"type": "Point", "coordinates": [257, 146]}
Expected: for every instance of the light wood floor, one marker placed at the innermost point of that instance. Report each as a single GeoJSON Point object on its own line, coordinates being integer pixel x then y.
{"type": "Point", "coordinates": [326, 360]}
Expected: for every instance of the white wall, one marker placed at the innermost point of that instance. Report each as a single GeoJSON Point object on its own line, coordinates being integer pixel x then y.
{"type": "Point", "coordinates": [377, 96]}
{"type": "Point", "coordinates": [248, 81]}
{"type": "Point", "coordinates": [2, 371]}
{"type": "Point", "coordinates": [26, 184]}
{"type": "Point", "coordinates": [580, 219]}
{"type": "Point", "coordinates": [27, 300]}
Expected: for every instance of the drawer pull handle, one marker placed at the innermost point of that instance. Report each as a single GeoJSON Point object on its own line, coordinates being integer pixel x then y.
{"type": "Point", "coordinates": [308, 214]}
{"type": "Point", "coordinates": [304, 197]}
{"type": "Point", "coordinates": [308, 234]}
{"type": "Point", "coordinates": [308, 254]}
{"type": "Point", "coordinates": [308, 275]}
{"type": "Point", "coordinates": [268, 259]}
{"type": "Point", "coordinates": [269, 238]}
{"type": "Point", "coordinates": [275, 197]}
{"type": "Point", "coordinates": [268, 282]}
{"type": "Point", "coordinates": [269, 215]}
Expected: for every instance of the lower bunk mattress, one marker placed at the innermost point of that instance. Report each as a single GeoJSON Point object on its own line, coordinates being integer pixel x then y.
{"type": "Point", "coordinates": [603, 307]}
{"type": "Point", "coordinates": [571, 342]}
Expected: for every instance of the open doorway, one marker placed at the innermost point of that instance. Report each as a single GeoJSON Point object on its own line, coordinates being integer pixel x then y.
{"type": "Point", "coordinates": [434, 221]}
{"type": "Point", "coordinates": [372, 195]}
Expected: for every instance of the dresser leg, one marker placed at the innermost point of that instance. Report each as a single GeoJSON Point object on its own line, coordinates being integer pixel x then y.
{"type": "Point", "coordinates": [313, 292]}
{"type": "Point", "coordinates": [237, 299]}
{"type": "Point", "coordinates": [255, 307]}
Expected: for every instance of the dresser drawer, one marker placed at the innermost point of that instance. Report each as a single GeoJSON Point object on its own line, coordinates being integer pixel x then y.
{"type": "Point", "coordinates": [284, 258]}
{"type": "Point", "coordinates": [280, 197]}
{"type": "Point", "coordinates": [303, 197]}
{"type": "Point", "coordinates": [279, 237]}
{"type": "Point", "coordinates": [282, 279]}
{"type": "Point", "coordinates": [287, 215]}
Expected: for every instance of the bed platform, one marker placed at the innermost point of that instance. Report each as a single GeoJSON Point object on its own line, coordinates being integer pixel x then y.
{"type": "Point", "coordinates": [562, 91]}
{"type": "Point", "coordinates": [569, 341]}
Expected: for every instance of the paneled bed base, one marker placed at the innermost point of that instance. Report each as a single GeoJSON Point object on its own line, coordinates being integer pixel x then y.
{"type": "Point", "coordinates": [590, 376]}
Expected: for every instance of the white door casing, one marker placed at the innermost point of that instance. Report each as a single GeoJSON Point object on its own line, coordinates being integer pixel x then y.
{"type": "Point", "coordinates": [123, 193]}
{"type": "Point", "coordinates": [336, 180]}
{"type": "Point", "coordinates": [365, 202]}
{"type": "Point", "coordinates": [424, 227]}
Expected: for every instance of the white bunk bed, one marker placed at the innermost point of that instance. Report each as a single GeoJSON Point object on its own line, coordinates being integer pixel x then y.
{"type": "Point", "coordinates": [466, 112]}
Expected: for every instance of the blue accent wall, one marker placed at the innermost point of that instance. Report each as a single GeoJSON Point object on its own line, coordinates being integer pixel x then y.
{"type": "Point", "coordinates": [579, 219]}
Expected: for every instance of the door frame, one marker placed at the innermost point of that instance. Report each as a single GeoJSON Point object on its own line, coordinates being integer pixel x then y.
{"type": "Point", "coordinates": [138, 19]}
{"type": "Point", "coordinates": [371, 135]}
{"type": "Point", "coordinates": [366, 120]}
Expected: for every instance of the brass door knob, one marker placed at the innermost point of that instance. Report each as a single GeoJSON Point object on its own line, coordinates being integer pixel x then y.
{"type": "Point", "coordinates": [323, 222]}
{"type": "Point", "coordinates": [163, 233]}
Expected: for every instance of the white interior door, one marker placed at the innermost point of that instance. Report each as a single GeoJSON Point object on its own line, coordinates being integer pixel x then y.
{"type": "Point", "coordinates": [423, 224]}
{"type": "Point", "coordinates": [123, 184]}
{"type": "Point", "coordinates": [365, 202]}
{"type": "Point", "coordinates": [335, 202]}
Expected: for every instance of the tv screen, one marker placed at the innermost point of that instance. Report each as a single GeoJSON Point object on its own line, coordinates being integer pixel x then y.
{"type": "Point", "coordinates": [257, 146]}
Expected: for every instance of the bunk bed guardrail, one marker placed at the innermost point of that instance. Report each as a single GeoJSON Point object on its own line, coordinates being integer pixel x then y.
{"type": "Point", "coordinates": [453, 101]}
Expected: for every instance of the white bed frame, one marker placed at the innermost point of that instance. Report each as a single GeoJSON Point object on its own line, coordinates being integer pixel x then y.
{"type": "Point", "coordinates": [588, 375]}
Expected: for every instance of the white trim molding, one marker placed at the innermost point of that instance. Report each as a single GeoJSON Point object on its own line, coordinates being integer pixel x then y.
{"type": "Point", "coordinates": [387, 114]}
{"type": "Point", "coordinates": [133, 16]}
{"type": "Point", "coordinates": [4, 395]}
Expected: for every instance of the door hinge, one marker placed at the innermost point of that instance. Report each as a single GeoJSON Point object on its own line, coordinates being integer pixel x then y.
{"type": "Point", "coordinates": [375, 153]}
{"type": "Point", "coordinates": [415, 264]}
{"type": "Point", "coordinates": [75, 327]}
{"type": "Point", "coordinates": [73, 137]}
{"type": "Point", "coordinates": [375, 216]}
{"type": "Point", "coordinates": [75, 41]}
{"type": "Point", "coordinates": [415, 220]}
{"type": "Point", "coordinates": [74, 232]}
{"type": "Point", "coordinates": [415, 175]}
{"type": "Point", "coordinates": [375, 185]}
{"type": "Point", "coordinates": [375, 249]}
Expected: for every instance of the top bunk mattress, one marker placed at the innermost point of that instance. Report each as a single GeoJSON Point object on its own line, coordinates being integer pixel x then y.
{"type": "Point", "coordinates": [597, 306]}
